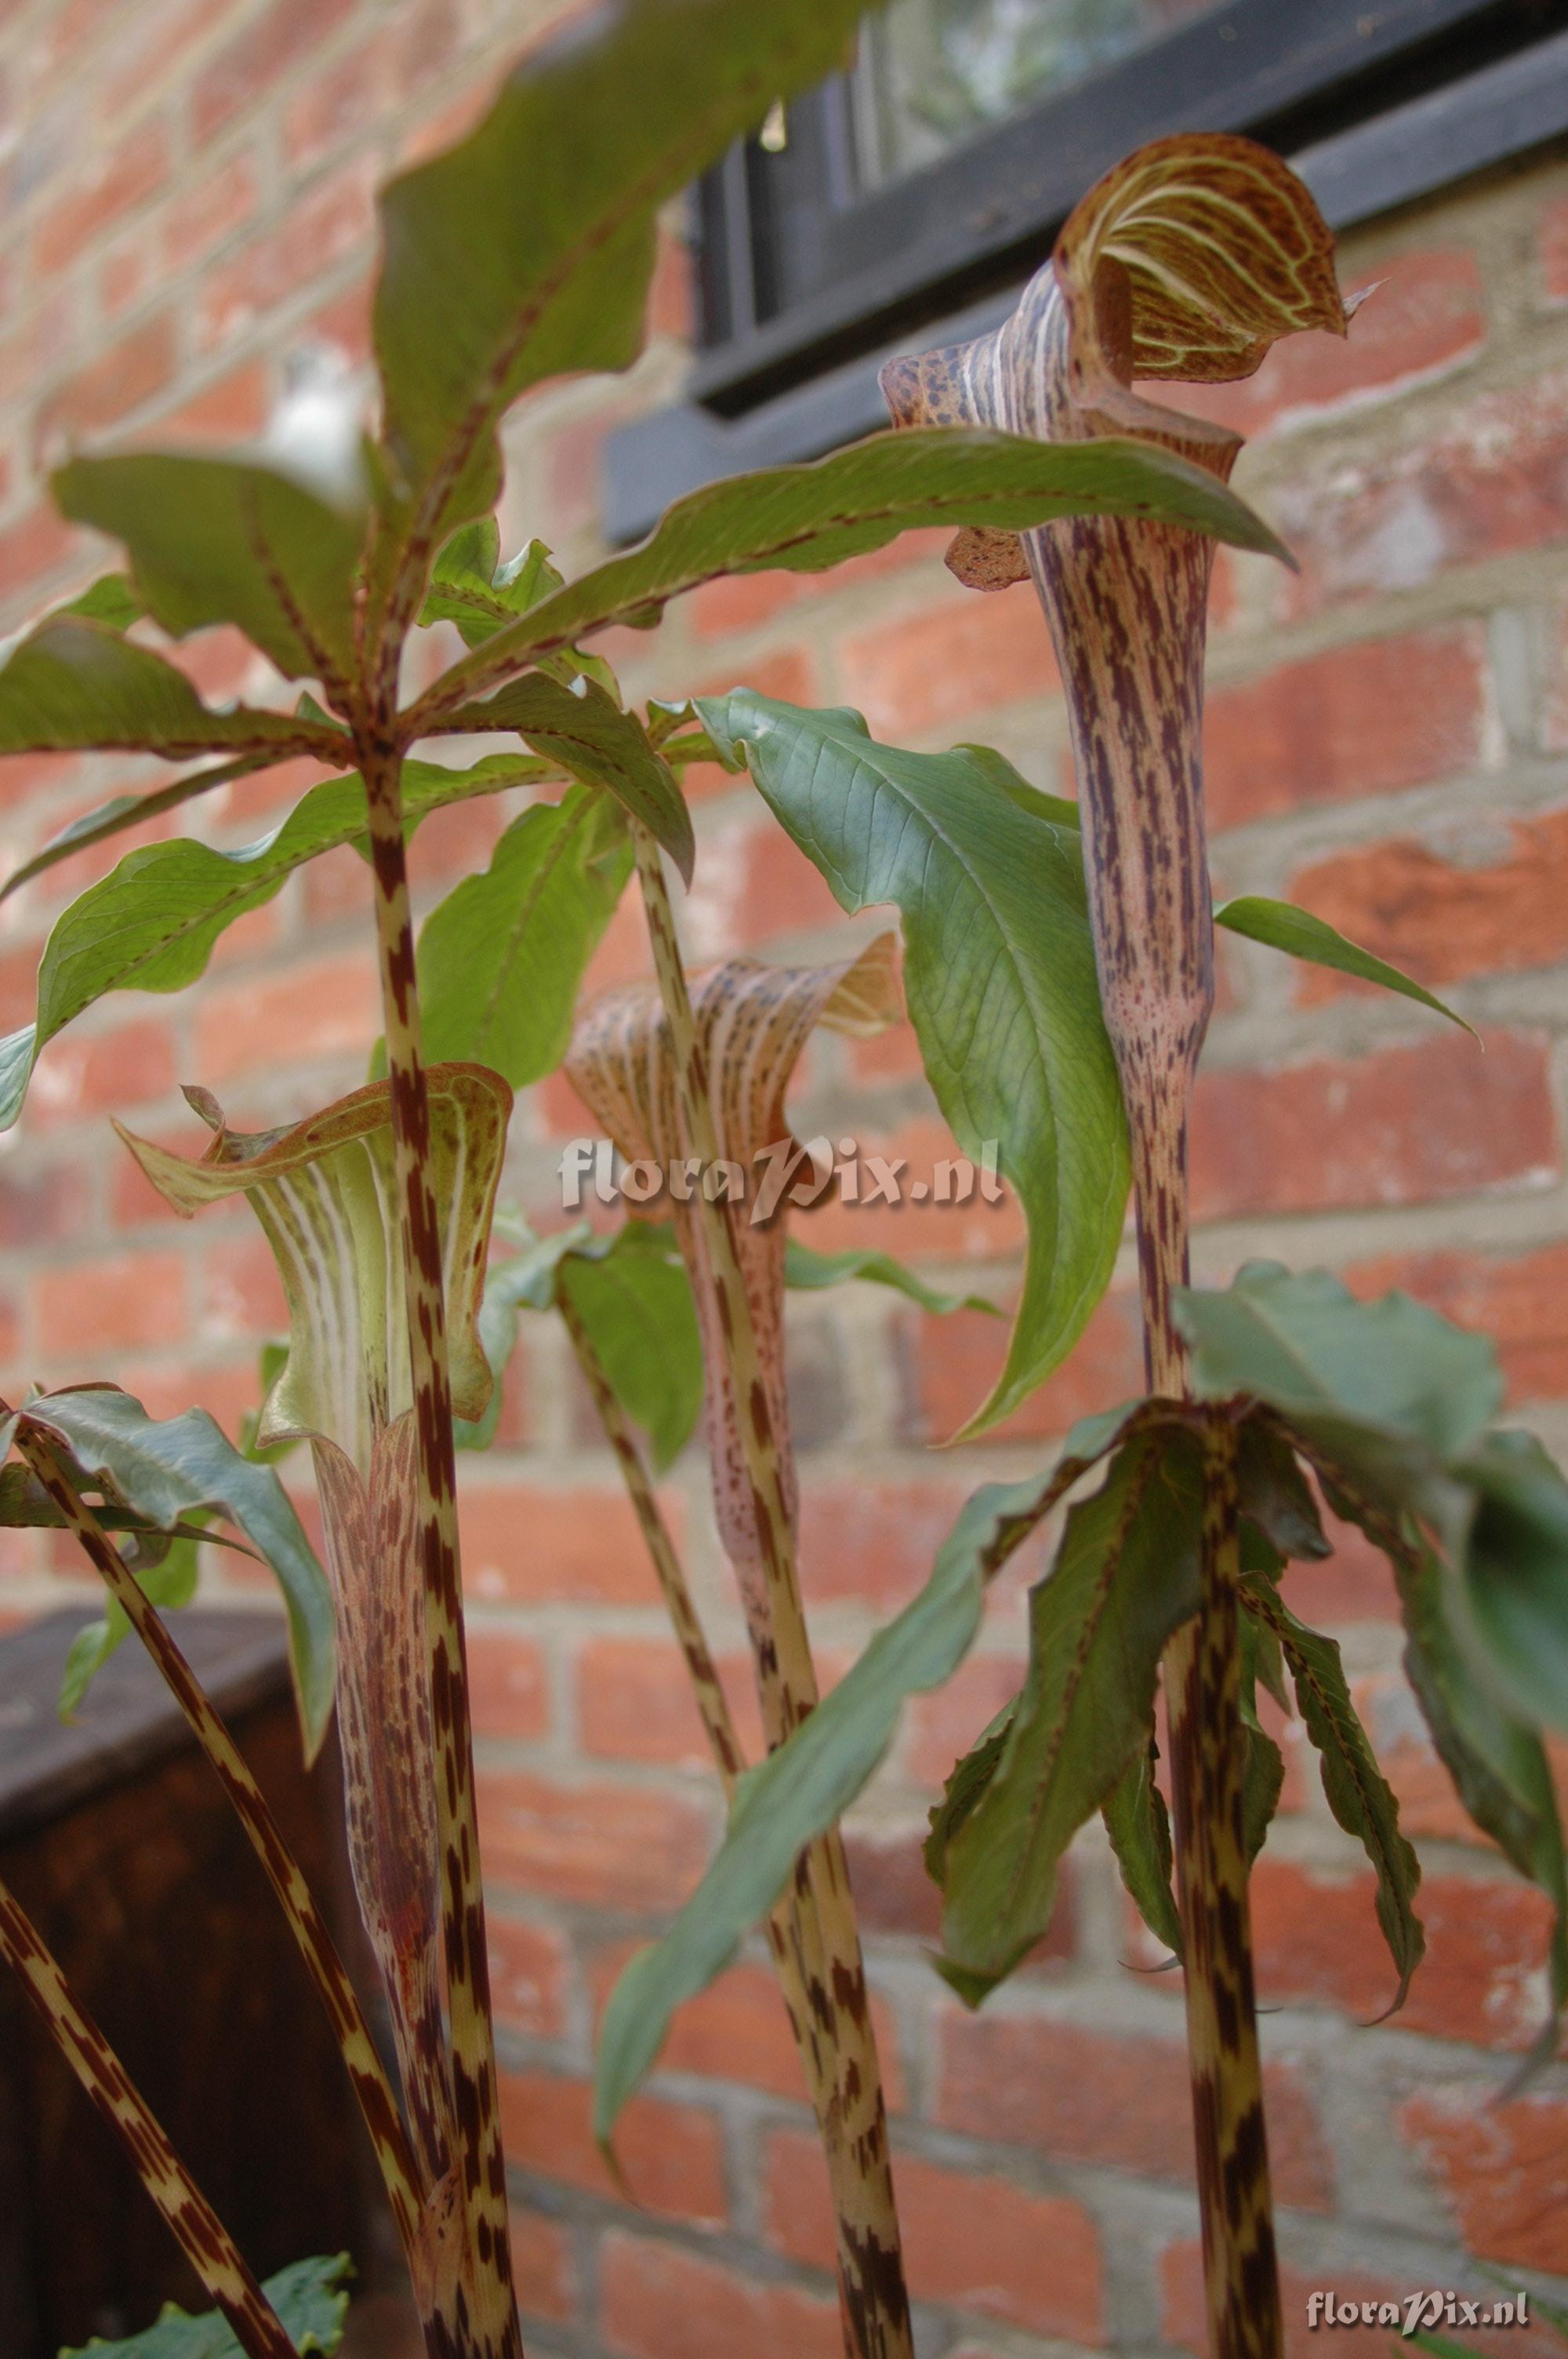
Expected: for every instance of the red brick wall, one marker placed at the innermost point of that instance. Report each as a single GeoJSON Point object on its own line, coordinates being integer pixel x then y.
{"type": "Point", "coordinates": [186, 191]}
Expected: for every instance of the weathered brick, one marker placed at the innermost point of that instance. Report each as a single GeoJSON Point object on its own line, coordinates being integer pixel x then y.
{"type": "Point", "coordinates": [972, 2242]}
{"type": "Point", "coordinates": [634, 1702]}
{"type": "Point", "coordinates": [1403, 1127]}
{"type": "Point", "coordinates": [120, 177]}
{"type": "Point", "coordinates": [672, 2156]}
{"type": "Point", "coordinates": [529, 1975]}
{"type": "Point", "coordinates": [959, 1356]}
{"type": "Point", "coordinates": [1316, 1939]}
{"type": "Point", "coordinates": [202, 215]}
{"type": "Point", "coordinates": [1493, 482]}
{"type": "Point", "coordinates": [949, 661]}
{"type": "Point", "coordinates": [532, 1543]}
{"type": "Point", "coordinates": [1366, 719]}
{"type": "Point", "coordinates": [243, 72]}
{"type": "Point", "coordinates": [656, 2298]}
{"type": "Point", "coordinates": [1425, 312]}
{"type": "Point", "coordinates": [508, 1685]}
{"type": "Point", "coordinates": [1083, 2095]}
{"type": "Point", "coordinates": [541, 2267]}
{"type": "Point", "coordinates": [322, 230]}
{"type": "Point", "coordinates": [1503, 2167]}
{"type": "Point", "coordinates": [327, 1007]}
{"type": "Point", "coordinates": [240, 1293]}
{"type": "Point", "coordinates": [1440, 918]}
{"type": "Point", "coordinates": [118, 1305]}
{"type": "Point", "coordinates": [109, 388]}
{"type": "Point", "coordinates": [873, 1541]}
{"type": "Point", "coordinates": [604, 1845]}
{"type": "Point", "coordinates": [85, 1073]}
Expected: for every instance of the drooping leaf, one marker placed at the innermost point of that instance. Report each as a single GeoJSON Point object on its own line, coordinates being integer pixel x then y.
{"type": "Point", "coordinates": [1389, 1389]}
{"type": "Point", "coordinates": [636, 1308]}
{"type": "Point", "coordinates": [75, 683]}
{"type": "Point", "coordinates": [150, 925]}
{"type": "Point", "coordinates": [176, 1467]}
{"type": "Point", "coordinates": [324, 1191]}
{"type": "Point", "coordinates": [810, 1272]}
{"type": "Point", "coordinates": [1283, 927]}
{"type": "Point", "coordinates": [752, 1022]}
{"type": "Point", "coordinates": [1496, 1762]}
{"type": "Point", "coordinates": [1263, 1764]}
{"type": "Point", "coordinates": [1510, 1596]}
{"type": "Point", "coordinates": [1358, 1794]}
{"type": "Point", "coordinates": [123, 811]}
{"type": "Point", "coordinates": [784, 1802]}
{"type": "Point", "coordinates": [224, 540]}
{"type": "Point", "coordinates": [584, 732]}
{"type": "Point", "coordinates": [309, 2297]}
{"type": "Point", "coordinates": [1138, 1826]}
{"type": "Point", "coordinates": [1276, 1497]}
{"type": "Point", "coordinates": [998, 973]}
{"type": "Point", "coordinates": [807, 518]}
{"type": "Point", "coordinates": [966, 1782]}
{"type": "Point", "coordinates": [1126, 1576]}
{"type": "Point", "coordinates": [530, 242]}
{"type": "Point", "coordinates": [501, 958]}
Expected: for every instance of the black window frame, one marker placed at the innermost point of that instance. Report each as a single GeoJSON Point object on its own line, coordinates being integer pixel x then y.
{"type": "Point", "coordinates": [806, 282]}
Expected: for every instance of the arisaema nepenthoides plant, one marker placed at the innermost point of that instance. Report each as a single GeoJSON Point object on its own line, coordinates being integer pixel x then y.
{"type": "Point", "coordinates": [1059, 971]}
{"type": "Point", "coordinates": [521, 253]}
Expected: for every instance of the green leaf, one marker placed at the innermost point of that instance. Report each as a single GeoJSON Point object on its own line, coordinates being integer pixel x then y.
{"type": "Point", "coordinates": [1126, 1576]}
{"type": "Point", "coordinates": [1358, 1794]}
{"type": "Point", "coordinates": [1512, 1595]}
{"type": "Point", "coordinates": [175, 1468]}
{"type": "Point", "coordinates": [309, 2297]}
{"type": "Point", "coordinates": [220, 540]}
{"type": "Point", "coordinates": [583, 730]}
{"type": "Point", "coordinates": [636, 1308]}
{"type": "Point", "coordinates": [809, 518]}
{"type": "Point", "coordinates": [1138, 1826]}
{"type": "Point", "coordinates": [73, 683]}
{"type": "Point", "coordinates": [1263, 1765]}
{"type": "Point", "coordinates": [966, 1782]}
{"type": "Point", "coordinates": [810, 1272]}
{"type": "Point", "coordinates": [1384, 1387]}
{"type": "Point", "coordinates": [470, 587]}
{"type": "Point", "coordinates": [1497, 1763]}
{"type": "Point", "coordinates": [528, 1279]}
{"type": "Point", "coordinates": [112, 599]}
{"type": "Point", "coordinates": [525, 252]}
{"type": "Point", "coordinates": [150, 925]}
{"type": "Point", "coordinates": [122, 812]}
{"type": "Point", "coordinates": [784, 1802]}
{"type": "Point", "coordinates": [999, 975]}
{"type": "Point", "coordinates": [501, 958]}
{"type": "Point", "coordinates": [1276, 1497]}
{"type": "Point", "coordinates": [1283, 927]}
{"type": "Point", "coordinates": [170, 1584]}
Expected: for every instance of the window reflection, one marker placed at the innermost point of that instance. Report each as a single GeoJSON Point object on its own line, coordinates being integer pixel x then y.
{"type": "Point", "coordinates": [934, 72]}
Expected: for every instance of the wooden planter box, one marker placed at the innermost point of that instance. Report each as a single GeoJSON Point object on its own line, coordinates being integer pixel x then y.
{"type": "Point", "coordinates": [117, 1839]}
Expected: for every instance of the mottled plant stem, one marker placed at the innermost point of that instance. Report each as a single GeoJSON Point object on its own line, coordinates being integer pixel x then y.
{"type": "Point", "coordinates": [202, 2236]}
{"type": "Point", "coordinates": [873, 2300]}
{"type": "Point", "coordinates": [478, 2314]}
{"type": "Point", "coordinates": [1203, 1674]}
{"type": "Point", "coordinates": [371, 2085]}
{"type": "Point", "coordinates": [786, 1939]}
{"type": "Point", "coordinates": [1126, 603]}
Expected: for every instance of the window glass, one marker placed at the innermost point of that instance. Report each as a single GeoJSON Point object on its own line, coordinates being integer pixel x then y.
{"type": "Point", "coordinates": [933, 73]}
